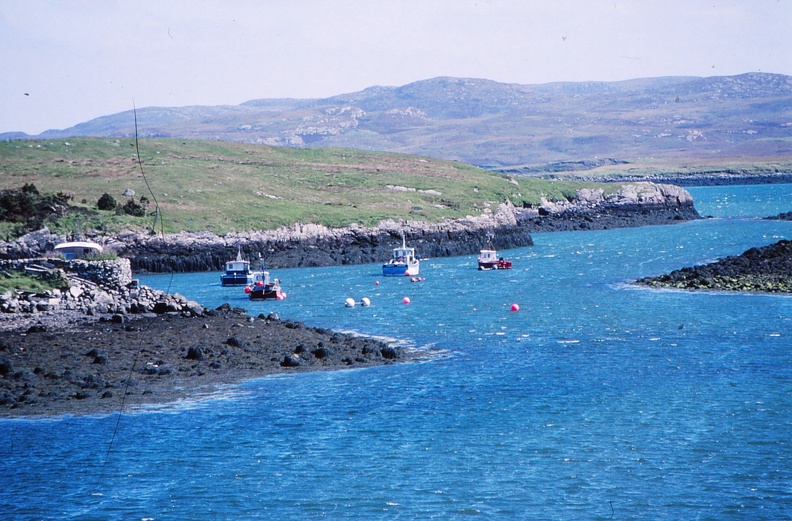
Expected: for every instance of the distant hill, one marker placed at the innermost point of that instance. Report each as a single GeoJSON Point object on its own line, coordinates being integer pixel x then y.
{"type": "Point", "coordinates": [496, 125]}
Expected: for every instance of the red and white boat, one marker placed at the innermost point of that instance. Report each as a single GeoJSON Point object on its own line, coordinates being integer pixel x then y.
{"type": "Point", "coordinates": [262, 288]}
{"type": "Point", "coordinates": [489, 260]}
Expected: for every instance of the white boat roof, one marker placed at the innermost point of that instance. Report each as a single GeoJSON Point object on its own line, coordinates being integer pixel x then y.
{"type": "Point", "coordinates": [78, 244]}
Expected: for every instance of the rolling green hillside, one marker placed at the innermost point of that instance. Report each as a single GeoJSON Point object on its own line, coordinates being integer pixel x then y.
{"type": "Point", "coordinates": [223, 187]}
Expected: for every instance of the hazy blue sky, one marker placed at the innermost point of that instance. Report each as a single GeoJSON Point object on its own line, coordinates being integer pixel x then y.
{"type": "Point", "coordinates": [68, 61]}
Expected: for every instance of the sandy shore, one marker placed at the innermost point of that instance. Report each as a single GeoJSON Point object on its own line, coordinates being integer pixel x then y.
{"type": "Point", "coordinates": [73, 364]}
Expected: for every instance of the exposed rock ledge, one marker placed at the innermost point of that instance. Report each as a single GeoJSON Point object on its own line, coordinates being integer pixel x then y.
{"type": "Point", "coordinates": [767, 270]}
{"type": "Point", "coordinates": [100, 341]}
{"type": "Point", "coordinates": [310, 245]}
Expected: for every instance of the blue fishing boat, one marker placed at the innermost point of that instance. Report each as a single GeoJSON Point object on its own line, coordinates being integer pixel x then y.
{"type": "Point", "coordinates": [402, 263]}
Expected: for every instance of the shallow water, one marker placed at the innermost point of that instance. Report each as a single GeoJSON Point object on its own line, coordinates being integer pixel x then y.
{"type": "Point", "coordinates": [596, 400]}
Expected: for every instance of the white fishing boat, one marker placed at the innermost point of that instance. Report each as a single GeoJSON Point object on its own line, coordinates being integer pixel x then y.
{"type": "Point", "coordinates": [489, 260]}
{"type": "Point", "coordinates": [262, 288]}
{"type": "Point", "coordinates": [402, 263]}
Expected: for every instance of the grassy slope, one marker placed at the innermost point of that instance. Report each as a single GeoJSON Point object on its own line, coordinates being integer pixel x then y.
{"type": "Point", "coordinates": [222, 187]}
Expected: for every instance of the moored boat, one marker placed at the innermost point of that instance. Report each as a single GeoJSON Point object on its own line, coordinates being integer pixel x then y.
{"type": "Point", "coordinates": [489, 260]}
{"type": "Point", "coordinates": [238, 272]}
{"type": "Point", "coordinates": [402, 263]}
{"type": "Point", "coordinates": [262, 288]}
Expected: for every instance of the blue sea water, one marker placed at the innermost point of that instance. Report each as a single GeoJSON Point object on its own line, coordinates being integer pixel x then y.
{"type": "Point", "coordinates": [596, 400]}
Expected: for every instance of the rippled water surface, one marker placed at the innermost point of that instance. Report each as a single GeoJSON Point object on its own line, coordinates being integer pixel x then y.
{"type": "Point", "coordinates": [596, 400]}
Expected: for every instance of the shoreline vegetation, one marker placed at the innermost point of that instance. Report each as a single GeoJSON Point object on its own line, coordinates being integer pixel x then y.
{"type": "Point", "coordinates": [503, 226]}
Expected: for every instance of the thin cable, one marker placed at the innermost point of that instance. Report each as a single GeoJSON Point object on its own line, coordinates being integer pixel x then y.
{"type": "Point", "coordinates": [158, 213]}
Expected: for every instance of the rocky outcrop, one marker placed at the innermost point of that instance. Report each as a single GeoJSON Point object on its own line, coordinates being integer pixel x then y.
{"type": "Point", "coordinates": [98, 289]}
{"type": "Point", "coordinates": [781, 217]}
{"type": "Point", "coordinates": [103, 366]}
{"type": "Point", "coordinates": [636, 204]}
{"type": "Point", "coordinates": [312, 245]}
{"type": "Point", "coordinates": [767, 269]}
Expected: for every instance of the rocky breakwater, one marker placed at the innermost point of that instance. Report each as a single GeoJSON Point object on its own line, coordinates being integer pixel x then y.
{"type": "Point", "coordinates": [634, 204]}
{"type": "Point", "coordinates": [767, 269]}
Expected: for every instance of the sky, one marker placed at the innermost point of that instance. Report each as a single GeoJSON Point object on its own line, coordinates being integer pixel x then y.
{"type": "Point", "coordinates": [68, 61]}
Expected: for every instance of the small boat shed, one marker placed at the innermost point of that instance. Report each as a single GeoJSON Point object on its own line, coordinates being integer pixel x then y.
{"type": "Point", "coordinates": [77, 250]}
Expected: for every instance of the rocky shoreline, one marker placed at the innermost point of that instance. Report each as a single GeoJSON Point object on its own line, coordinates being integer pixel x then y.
{"type": "Point", "coordinates": [311, 245]}
{"type": "Point", "coordinates": [767, 269]}
{"type": "Point", "coordinates": [100, 342]}
{"type": "Point", "coordinates": [73, 364]}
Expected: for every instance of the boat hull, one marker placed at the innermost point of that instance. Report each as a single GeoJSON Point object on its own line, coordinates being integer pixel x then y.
{"type": "Point", "coordinates": [400, 270]}
{"type": "Point", "coordinates": [497, 265]}
{"type": "Point", "coordinates": [236, 279]}
{"type": "Point", "coordinates": [267, 293]}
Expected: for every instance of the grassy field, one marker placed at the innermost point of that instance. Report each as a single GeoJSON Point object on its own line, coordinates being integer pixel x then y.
{"type": "Point", "coordinates": [224, 187]}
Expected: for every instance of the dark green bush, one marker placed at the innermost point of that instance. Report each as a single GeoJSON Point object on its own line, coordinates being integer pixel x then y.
{"type": "Point", "coordinates": [107, 202]}
{"type": "Point", "coordinates": [134, 209]}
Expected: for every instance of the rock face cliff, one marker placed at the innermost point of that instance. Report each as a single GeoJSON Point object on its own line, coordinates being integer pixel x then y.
{"type": "Point", "coordinates": [311, 245]}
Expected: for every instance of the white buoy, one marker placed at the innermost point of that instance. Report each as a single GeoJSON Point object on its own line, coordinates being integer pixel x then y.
{"type": "Point", "coordinates": [350, 302]}
{"type": "Point", "coordinates": [365, 301]}
{"type": "Point", "coordinates": [406, 300]}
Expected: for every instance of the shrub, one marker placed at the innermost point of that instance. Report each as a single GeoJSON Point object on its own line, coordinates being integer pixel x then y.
{"type": "Point", "coordinates": [16, 206]}
{"type": "Point", "coordinates": [106, 202]}
{"type": "Point", "coordinates": [134, 209]}
{"type": "Point", "coordinates": [30, 188]}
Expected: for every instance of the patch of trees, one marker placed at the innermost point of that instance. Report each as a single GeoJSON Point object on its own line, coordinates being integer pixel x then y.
{"type": "Point", "coordinates": [26, 209]}
{"type": "Point", "coordinates": [27, 204]}
{"type": "Point", "coordinates": [136, 209]}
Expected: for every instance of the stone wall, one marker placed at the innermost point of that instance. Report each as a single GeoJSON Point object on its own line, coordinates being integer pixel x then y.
{"type": "Point", "coordinates": [92, 288]}
{"type": "Point", "coordinates": [112, 274]}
